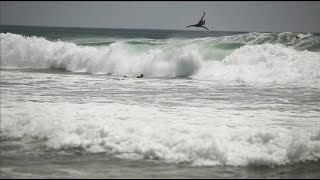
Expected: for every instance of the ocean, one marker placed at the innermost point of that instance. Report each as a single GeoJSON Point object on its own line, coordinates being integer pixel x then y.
{"type": "Point", "coordinates": [210, 105]}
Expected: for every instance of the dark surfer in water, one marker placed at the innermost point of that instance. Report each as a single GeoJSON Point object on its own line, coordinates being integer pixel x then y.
{"type": "Point", "coordinates": [201, 23]}
{"type": "Point", "coordinates": [141, 76]}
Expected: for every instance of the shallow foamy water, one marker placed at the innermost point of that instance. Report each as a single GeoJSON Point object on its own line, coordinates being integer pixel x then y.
{"type": "Point", "coordinates": [60, 124]}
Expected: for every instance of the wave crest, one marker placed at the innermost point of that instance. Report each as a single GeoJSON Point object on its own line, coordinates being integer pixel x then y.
{"type": "Point", "coordinates": [265, 63]}
{"type": "Point", "coordinates": [20, 52]}
{"type": "Point", "coordinates": [198, 58]}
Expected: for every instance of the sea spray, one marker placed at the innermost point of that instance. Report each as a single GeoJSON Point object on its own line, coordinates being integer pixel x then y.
{"type": "Point", "coordinates": [20, 52]}
{"type": "Point", "coordinates": [176, 58]}
{"type": "Point", "coordinates": [265, 63]}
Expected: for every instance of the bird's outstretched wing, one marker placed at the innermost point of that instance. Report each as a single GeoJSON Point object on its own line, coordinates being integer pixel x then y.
{"type": "Point", "coordinates": [190, 26]}
{"type": "Point", "coordinates": [205, 27]}
{"type": "Point", "coordinates": [203, 16]}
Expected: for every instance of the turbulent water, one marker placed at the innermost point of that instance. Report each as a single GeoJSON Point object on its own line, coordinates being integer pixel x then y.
{"type": "Point", "coordinates": [210, 104]}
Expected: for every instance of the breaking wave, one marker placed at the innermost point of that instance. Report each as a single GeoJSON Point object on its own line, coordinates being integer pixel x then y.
{"type": "Point", "coordinates": [252, 57]}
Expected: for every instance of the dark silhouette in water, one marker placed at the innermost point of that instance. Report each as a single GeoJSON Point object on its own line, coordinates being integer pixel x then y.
{"type": "Point", "coordinates": [140, 76]}
{"type": "Point", "coordinates": [201, 23]}
{"type": "Point", "coordinates": [297, 37]}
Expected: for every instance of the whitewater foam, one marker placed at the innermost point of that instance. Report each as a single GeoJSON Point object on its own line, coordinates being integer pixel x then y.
{"type": "Point", "coordinates": [20, 52]}
{"type": "Point", "coordinates": [99, 129]}
{"type": "Point", "coordinates": [196, 57]}
{"type": "Point", "coordinates": [265, 63]}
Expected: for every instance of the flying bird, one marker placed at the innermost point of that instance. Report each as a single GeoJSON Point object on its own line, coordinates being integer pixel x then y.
{"type": "Point", "coordinates": [201, 23]}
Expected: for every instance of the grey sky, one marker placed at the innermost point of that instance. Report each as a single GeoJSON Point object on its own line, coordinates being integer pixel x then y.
{"type": "Point", "coordinates": [274, 16]}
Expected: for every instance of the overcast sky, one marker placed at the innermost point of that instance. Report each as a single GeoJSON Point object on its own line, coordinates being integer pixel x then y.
{"type": "Point", "coordinates": [268, 16]}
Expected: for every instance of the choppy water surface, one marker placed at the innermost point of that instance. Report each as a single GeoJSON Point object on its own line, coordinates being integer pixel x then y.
{"type": "Point", "coordinates": [222, 106]}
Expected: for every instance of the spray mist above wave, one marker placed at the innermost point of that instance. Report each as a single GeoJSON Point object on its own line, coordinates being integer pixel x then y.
{"type": "Point", "coordinates": [200, 58]}
{"type": "Point", "coordinates": [33, 52]}
{"type": "Point", "coordinates": [305, 41]}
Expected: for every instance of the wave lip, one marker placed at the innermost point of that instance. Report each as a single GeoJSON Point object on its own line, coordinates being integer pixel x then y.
{"type": "Point", "coordinates": [118, 58]}
{"type": "Point", "coordinates": [266, 63]}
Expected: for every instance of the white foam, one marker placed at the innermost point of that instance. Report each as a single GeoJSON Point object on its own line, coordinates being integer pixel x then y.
{"type": "Point", "coordinates": [135, 132]}
{"type": "Point", "coordinates": [34, 52]}
{"type": "Point", "coordinates": [265, 63]}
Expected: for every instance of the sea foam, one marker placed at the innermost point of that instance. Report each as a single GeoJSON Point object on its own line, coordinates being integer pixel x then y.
{"type": "Point", "coordinates": [99, 129]}
{"type": "Point", "coordinates": [263, 63]}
